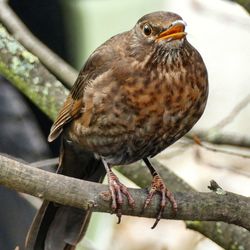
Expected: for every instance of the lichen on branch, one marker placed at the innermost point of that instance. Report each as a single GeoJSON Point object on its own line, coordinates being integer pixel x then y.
{"type": "Point", "coordinates": [26, 73]}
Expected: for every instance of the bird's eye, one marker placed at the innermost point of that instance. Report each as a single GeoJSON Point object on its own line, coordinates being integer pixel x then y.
{"type": "Point", "coordinates": [147, 29]}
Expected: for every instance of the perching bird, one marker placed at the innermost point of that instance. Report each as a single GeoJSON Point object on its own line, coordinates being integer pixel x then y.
{"type": "Point", "coordinates": [138, 93]}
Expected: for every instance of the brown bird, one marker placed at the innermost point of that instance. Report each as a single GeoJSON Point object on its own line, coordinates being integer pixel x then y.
{"type": "Point", "coordinates": [138, 93]}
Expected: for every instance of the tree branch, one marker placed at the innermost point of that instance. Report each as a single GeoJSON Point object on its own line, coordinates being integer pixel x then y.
{"type": "Point", "coordinates": [231, 208]}
{"type": "Point", "coordinates": [220, 138]}
{"type": "Point", "coordinates": [232, 115]}
{"type": "Point", "coordinates": [225, 235]}
{"type": "Point", "coordinates": [26, 73]}
{"type": "Point", "coordinates": [219, 232]}
{"type": "Point", "coordinates": [57, 65]}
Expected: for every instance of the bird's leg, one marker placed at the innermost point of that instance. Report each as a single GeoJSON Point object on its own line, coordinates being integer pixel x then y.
{"type": "Point", "coordinates": [159, 186]}
{"type": "Point", "coordinates": [116, 189]}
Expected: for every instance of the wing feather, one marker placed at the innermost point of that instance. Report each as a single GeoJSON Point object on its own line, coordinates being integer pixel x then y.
{"type": "Point", "coordinates": [74, 105]}
{"type": "Point", "coordinates": [70, 110]}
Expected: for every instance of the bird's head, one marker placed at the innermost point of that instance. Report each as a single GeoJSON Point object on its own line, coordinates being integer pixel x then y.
{"type": "Point", "coordinates": [160, 29]}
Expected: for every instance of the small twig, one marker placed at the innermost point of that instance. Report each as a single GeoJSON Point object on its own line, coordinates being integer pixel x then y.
{"type": "Point", "coordinates": [216, 150]}
{"type": "Point", "coordinates": [220, 138]}
{"type": "Point", "coordinates": [50, 59]}
{"type": "Point", "coordinates": [232, 115]}
{"type": "Point", "coordinates": [198, 142]}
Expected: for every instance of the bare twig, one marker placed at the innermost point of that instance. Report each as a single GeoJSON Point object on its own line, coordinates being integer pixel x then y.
{"type": "Point", "coordinates": [198, 141]}
{"type": "Point", "coordinates": [217, 150]}
{"type": "Point", "coordinates": [230, 207]}
{"type": "Point", "coordinates": [220, 138]}
{"type": "Point", "coordinates": [58, 66]}
{"type": "Point", "coordinates": [232, 115]}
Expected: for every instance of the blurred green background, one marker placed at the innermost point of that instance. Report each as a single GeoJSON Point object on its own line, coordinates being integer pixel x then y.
{"type": "Point", "coordinates": [89, 23]}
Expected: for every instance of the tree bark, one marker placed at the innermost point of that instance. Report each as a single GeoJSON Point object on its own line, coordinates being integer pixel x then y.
{"type": "Point", "coordinates": [228, 207]}
{"type": "Point", "coordinates": [50, 59]}
{"type": "Point", "coordinates": [25, 72]}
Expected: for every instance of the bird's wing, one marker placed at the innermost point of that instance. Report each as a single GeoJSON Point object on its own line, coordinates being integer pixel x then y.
{"type": "Point", "coordinates": [74, 105]}
{"type": "Point", "coordinates": [70, 110]}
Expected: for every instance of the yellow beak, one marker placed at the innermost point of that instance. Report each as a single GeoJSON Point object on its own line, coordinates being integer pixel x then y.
{"type": "Point", "coordinates": [173, 32]}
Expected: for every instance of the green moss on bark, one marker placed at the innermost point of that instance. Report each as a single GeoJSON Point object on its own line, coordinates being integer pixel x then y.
{"type": "Point", "coordinates": [26, 73]}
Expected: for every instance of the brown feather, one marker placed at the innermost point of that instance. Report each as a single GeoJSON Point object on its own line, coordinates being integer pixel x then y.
{"type": "Point", "coordinates": [71, 109]}
{"type": "Point", "coordinates": [74, 103]}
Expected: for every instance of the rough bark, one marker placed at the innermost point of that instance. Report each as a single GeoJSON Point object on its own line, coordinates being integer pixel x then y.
{"type": "Point", "coordinates": [25, 72]}
{"type": "Point", "coordinates": [82, 194]}
{"type": "Point", "coordinates": [225, 235]}
{"type": "Point", "coordinates": [62, 70]}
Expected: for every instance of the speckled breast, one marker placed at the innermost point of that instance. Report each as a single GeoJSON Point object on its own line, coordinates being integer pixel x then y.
{"type": "Point", "coordinates": [142, 115]}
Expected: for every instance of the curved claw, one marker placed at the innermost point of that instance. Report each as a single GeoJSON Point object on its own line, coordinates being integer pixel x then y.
{"type": "Point", "coordinates": [158, 186]}
{"type": "Point", "coordinates": [119, 215]}
{"type": "Point", "coordinates": [116, 189]}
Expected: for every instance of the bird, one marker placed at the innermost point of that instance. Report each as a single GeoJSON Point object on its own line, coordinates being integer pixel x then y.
{"type": "Point", "coordinates": [137, 94]}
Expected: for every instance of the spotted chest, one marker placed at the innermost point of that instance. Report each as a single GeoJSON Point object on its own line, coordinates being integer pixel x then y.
{"type": "Point", "coordinates": [140, 115]}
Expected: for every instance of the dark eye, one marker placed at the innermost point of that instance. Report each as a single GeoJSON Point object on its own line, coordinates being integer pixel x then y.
{"type": "Point", "coordinates": [147, 29]}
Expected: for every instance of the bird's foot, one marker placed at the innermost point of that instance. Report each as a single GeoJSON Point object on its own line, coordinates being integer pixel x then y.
{"type": "Point", "coordinates": [116, 189]}
{"type": "Point", "coordinates": [158, 186]}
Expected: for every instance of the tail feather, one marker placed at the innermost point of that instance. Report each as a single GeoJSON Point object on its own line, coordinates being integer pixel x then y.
{"type": "Point", "coordinates": [57, 227]}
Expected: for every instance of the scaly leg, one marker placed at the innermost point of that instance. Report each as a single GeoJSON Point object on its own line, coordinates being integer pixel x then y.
{"type": "Point", "coordinates": [158, 185]}
{"type": "Point", "coordinates": [116, 189]}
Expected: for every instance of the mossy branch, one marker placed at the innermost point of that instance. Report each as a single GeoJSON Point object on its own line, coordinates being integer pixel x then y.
{"type": "Point", "coordinates": [25, 72]}
{"type": "Point", "coordinates": [50, 59]}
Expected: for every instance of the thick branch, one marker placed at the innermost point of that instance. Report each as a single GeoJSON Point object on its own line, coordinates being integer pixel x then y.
{"type": "Point", "coordinates": [236, 237]}
{"type": "Point", "coordinates": [230, 208]}
{"type": "Point", "coordinates": [62, 70]}
{"type": "Point", "coordinates": [25, 71]}
{"type": "Point", "coordinates": [219, 232]}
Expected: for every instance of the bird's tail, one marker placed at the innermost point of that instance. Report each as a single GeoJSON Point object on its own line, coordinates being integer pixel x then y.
{"type": "Point", "coordinates": [58, 227]}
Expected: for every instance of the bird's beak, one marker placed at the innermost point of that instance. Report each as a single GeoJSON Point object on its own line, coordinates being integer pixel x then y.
{"type": "Point", "coordinates": [173, 32]}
